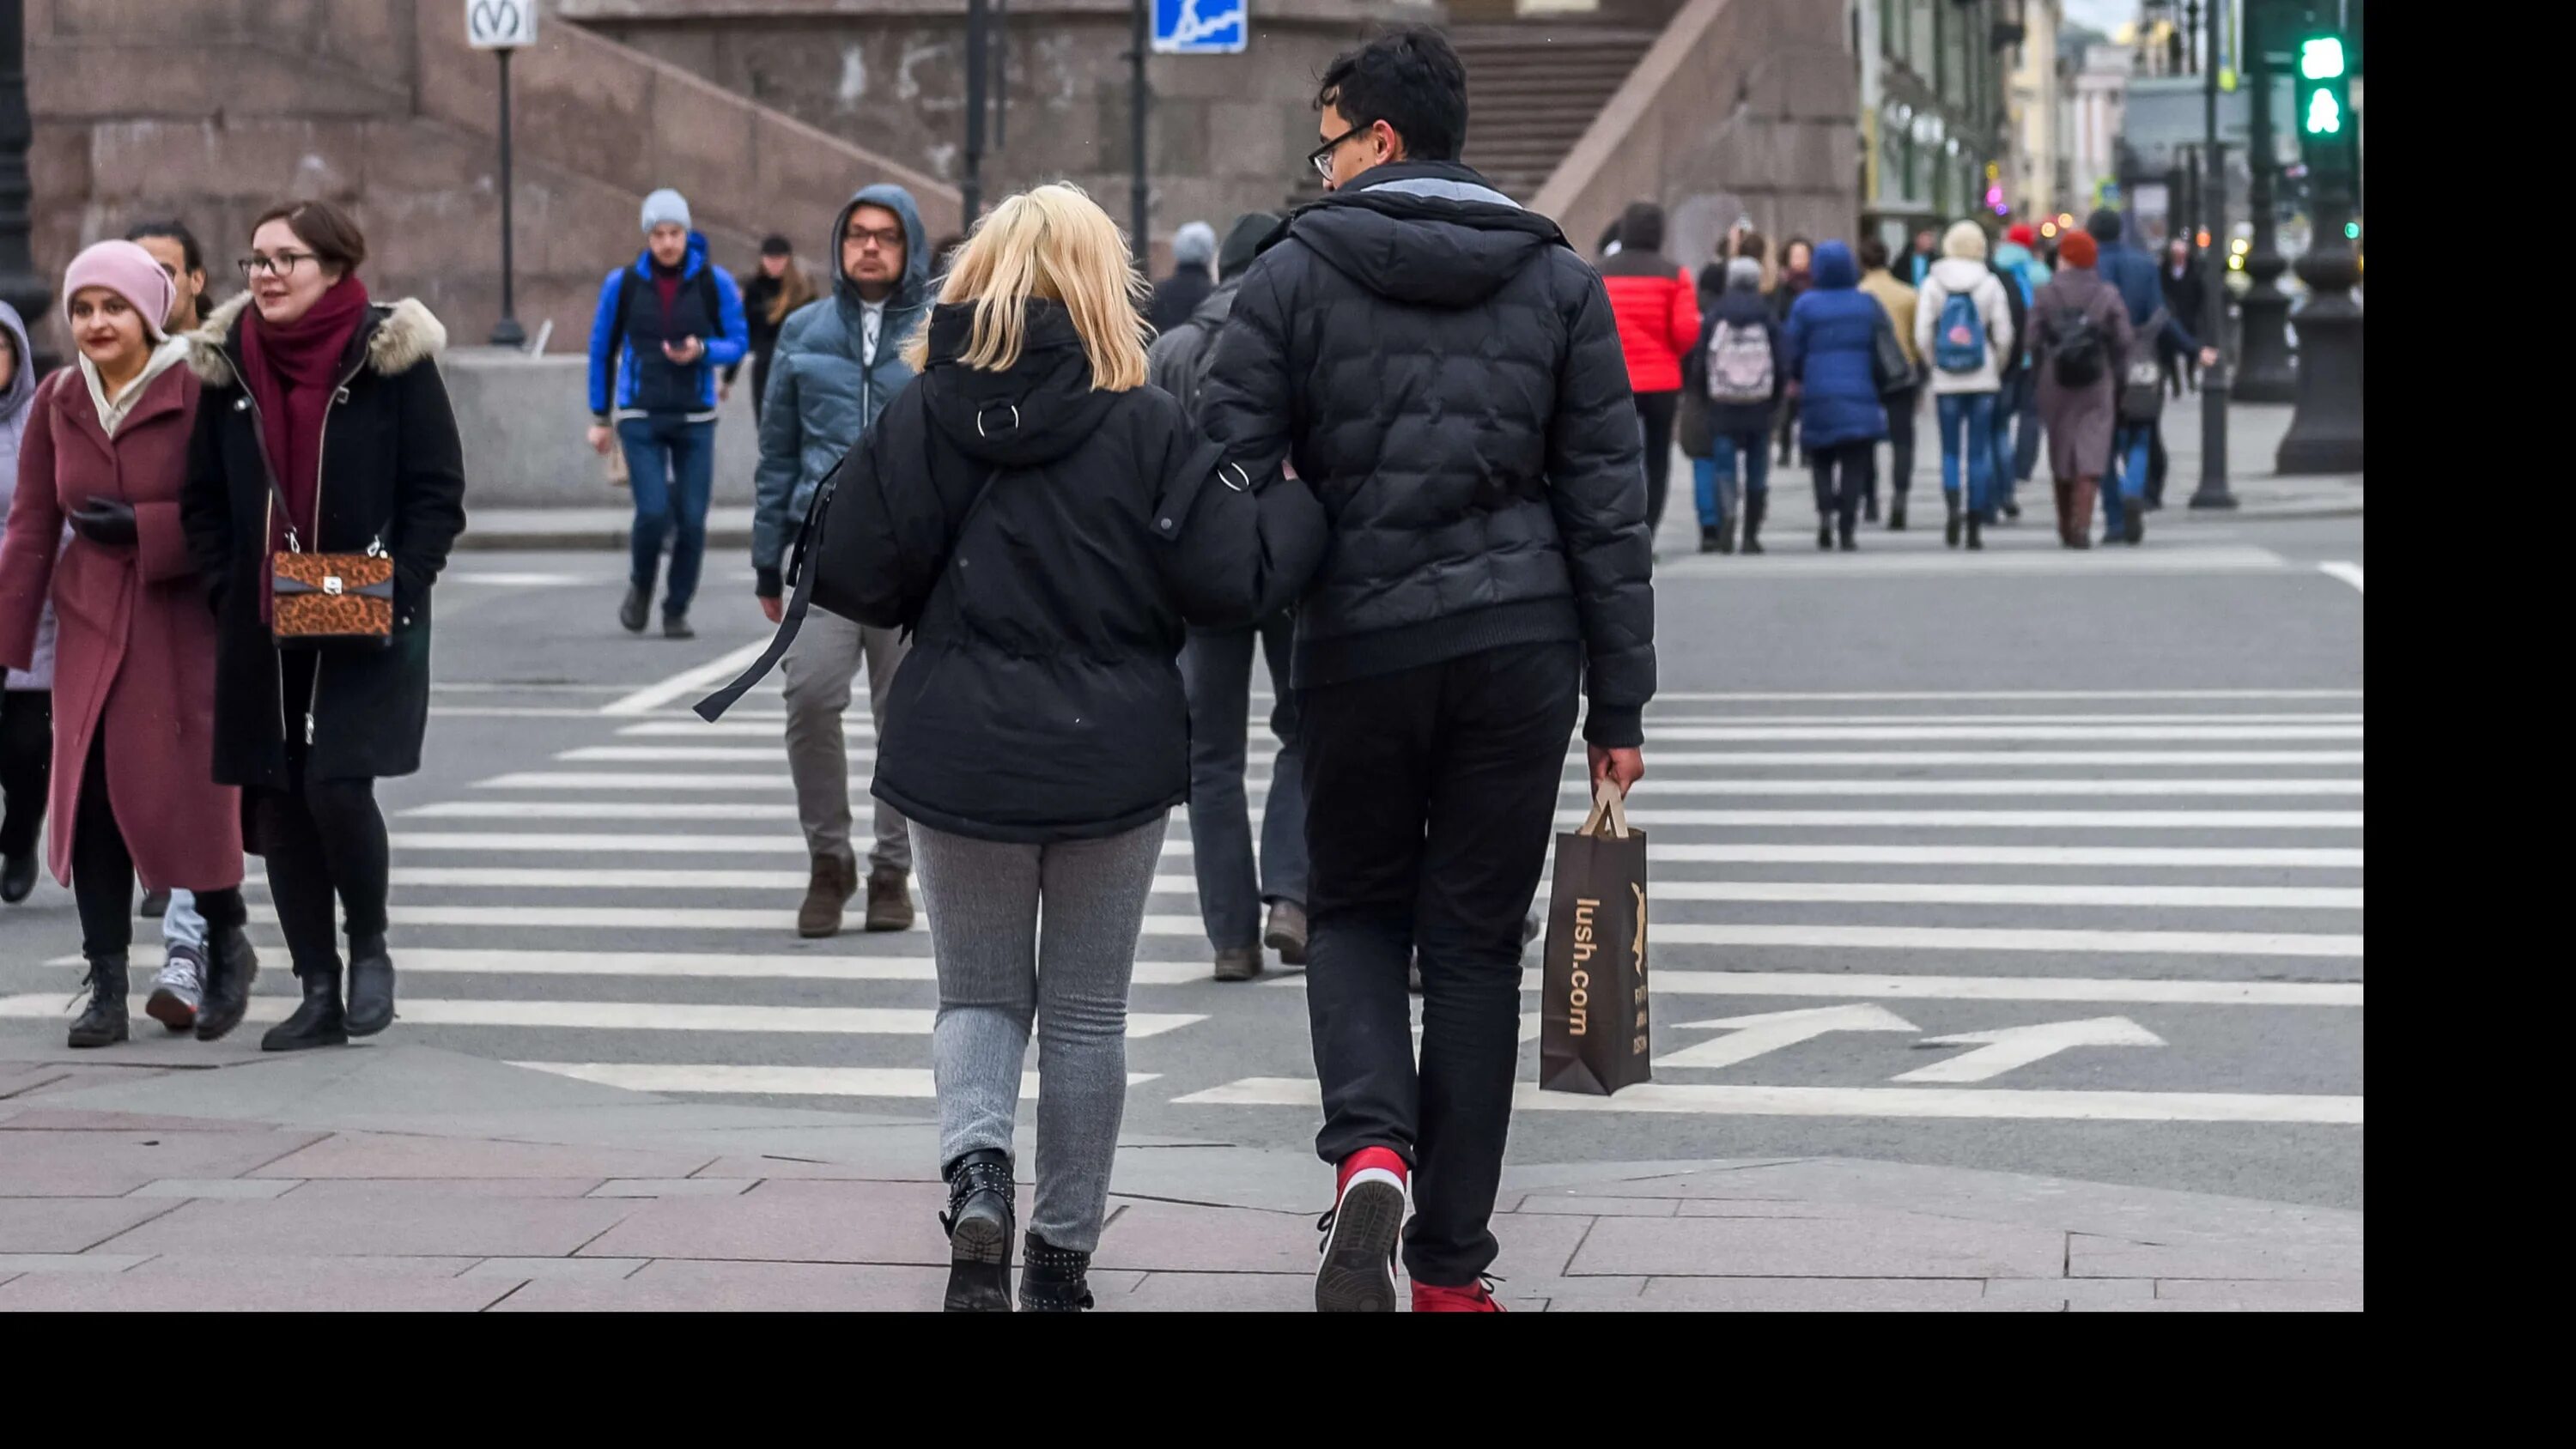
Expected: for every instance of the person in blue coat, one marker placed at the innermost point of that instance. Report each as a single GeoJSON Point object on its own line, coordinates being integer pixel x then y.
{"type": "Point", "coordinates": [1832, 344]}
{"type": "Point", "coordinates": [666, 325]}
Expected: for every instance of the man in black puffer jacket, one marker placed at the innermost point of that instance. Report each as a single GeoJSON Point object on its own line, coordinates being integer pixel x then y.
{"type": "Point", "coordinates": [1445, 374]}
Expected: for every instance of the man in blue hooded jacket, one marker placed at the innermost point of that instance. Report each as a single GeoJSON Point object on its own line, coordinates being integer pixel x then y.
{"type": "Point", "coordinates": [838, 361]}
{"type": "Point", "coordinates": [665, 325]}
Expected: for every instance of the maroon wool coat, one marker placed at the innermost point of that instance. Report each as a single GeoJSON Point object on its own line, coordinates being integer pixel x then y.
{"type": "Point", "coordinates": [135, 655]}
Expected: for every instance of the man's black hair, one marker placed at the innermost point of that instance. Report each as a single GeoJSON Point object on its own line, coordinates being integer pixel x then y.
{"type": "Point", "coordinates": [173, 230]}
{"type": "Point", "coordinates": [1409, 78]}
{"type": "Point", "coordinates": [1872, 253]}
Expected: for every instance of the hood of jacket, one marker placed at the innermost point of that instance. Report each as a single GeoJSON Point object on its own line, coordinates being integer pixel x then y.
{"type": "Point", "coordinates": [1425, 233]}
{"type": "Point", "coordinates": [398, 337]}
{"type": "Point", "coordinates": [1038, 410]}
{"type": "Point", "coordinates": [2012, 255]}
{"type": "Point", "coordinates": [914, 288]}
{"type": "Point", "coordinates": [22, 380]}
{"type": "Point", "coordinates": [1835, 268]}
{"type": "Point", "coordinates": [1211, 313]}
{"type": "Point", "coordinates": [1960, 274]}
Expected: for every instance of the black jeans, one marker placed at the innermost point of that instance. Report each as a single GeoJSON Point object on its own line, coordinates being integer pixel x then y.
{"type": "Point", "coordinates": [1843, 473]}
{"type": "Point", "coordinates": [1216, 671]}
{"type": "Point", "coordinates": [2157, 462]}
{"type": "Point", "coordinates": [1431, 798]}
{"type": "Point", "coordinates": [1655, 417]}
{"type": "Point", "coordinates": [1901, 407]}
{"type": "Point", "coordinates": [26, 766]}
{"type": "Point", "coordinates": [103, 871]}
{"type": "Point", "coordinates": [322, 838]}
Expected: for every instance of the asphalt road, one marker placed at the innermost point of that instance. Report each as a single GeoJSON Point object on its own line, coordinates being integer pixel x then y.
{"type": "Point", "coordinates": [2123, 787]}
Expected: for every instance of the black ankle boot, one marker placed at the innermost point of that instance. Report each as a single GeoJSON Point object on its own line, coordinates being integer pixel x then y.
{"type": "Point", "coordinates": [1950, 529]}
{"type": "Point", "coordinates": [102, 1022]}
{"type": "Point", "coordinates": [231, 966]}
{"type": "Point", "coordinates": [18, 876]}
{"type": "Point", "coordinates": [1896, 515]}
{"type": "Point", "coordinates": [1712, 540]}
{"type": "Point", "coordinates": [318, 1020]}
{"type": "Point", "coordinates": [978, 1221]}
{"type": "Point", "coordinates": [1975, 540]}
{"type": "Point", "coordinates": [371, 985]}
{"type": "Point", "coordinates": [1053, 1280]}
{"type": "Point", "coordinates": [1754, 509]}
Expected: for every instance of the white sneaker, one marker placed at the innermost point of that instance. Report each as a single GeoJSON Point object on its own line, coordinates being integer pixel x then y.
{"type": "Point", "coordinates": [178, 990]}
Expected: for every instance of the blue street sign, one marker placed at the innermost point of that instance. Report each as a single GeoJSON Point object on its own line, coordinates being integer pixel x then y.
{"type": "Point", "coordinates": [1201, 27]}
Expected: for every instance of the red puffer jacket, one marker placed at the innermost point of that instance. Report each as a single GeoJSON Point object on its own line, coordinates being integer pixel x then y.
{"type": "Point", "coordinates": [1657, 308]}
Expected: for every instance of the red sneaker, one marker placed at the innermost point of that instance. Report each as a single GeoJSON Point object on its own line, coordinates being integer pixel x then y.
{"type": "Point", "coordinates": [1357, 1274]}
{"type": "Point", "coordinates": [1476, 1297]}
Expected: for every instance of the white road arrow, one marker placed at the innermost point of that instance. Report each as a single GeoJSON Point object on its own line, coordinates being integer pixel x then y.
{"type": "Point", "coordinates": [2001, 1050]}
{"type": "Point", "coordinates": [1753, 1035]}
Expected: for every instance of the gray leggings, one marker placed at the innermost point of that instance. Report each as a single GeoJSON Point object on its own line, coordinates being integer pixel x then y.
{"type": "Point", "coordinates": [997, 972]}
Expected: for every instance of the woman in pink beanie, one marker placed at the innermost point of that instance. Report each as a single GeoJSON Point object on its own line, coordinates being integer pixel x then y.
{"type": "Point", "coordinates": [106, 451]}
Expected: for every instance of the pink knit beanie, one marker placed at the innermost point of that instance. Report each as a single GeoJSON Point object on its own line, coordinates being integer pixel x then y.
{"type": "Point", "coordinates": [130, 272]}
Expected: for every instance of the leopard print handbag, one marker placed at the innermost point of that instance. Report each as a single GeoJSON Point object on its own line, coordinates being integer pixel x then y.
{"type": "Point", "coordinates": [326, 597]}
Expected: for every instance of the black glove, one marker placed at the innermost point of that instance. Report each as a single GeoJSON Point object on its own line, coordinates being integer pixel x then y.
{"type": "Point", "coordinates": [105, 521]}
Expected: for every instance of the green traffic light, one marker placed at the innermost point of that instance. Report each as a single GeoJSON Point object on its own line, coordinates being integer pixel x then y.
{"type": "Point", "coordinates": [2321, 57]}
{"type": "Point", "coordinates": [2325, 114]}
{"type": "Point", "coordinates": [2352, 231]}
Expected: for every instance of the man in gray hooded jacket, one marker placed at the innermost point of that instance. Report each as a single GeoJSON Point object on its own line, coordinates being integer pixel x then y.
{"type": "Point", "coordinates": [837, 364]}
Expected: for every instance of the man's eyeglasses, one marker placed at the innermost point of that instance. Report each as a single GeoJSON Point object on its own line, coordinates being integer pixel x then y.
{"type": "Point", "coordinates": [886, 240]}
{"type": "Point", "coordinates": [1321, 158]}
{"type": "Point", "coordinates": [281, 265]}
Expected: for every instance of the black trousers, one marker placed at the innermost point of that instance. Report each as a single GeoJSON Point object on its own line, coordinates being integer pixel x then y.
{"type": "Point", "coordinates": [326, 850]}
{"type": "Point", "coordinates": [1655, 417]}
{"type": "Point", "coordinates": [26, 766]}
{"type": "Point", "coordinates": [1431, 798]}
{"type": "Point", "coordinates": [1843, 472]}
{"type": "Point", "coordinates": [1901, 407]}
{"type": "Point", "coordinates": [103, 871]}
{"type": "Point", "coordinates": [2157, 463]}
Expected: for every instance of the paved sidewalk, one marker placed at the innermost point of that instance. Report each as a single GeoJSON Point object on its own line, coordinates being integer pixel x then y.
{"type": "Point", "coordinates": [169, 1175]}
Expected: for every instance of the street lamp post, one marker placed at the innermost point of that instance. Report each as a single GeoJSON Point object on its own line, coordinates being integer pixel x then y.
{"type": "Point", "coordinates": [507, 332]}
{"type": "Point", "coordinates": [20, 286]}
{"type": "Point", "coordinates": [2212, 492]}
{"type": "Point", "coordinates": [2325, 433]}
{"type": "Point", "coordinates": [2263, 373]}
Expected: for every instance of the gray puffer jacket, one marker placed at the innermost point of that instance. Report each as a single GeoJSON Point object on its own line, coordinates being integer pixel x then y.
{"type": "Point", "coordinates": [823, 393]}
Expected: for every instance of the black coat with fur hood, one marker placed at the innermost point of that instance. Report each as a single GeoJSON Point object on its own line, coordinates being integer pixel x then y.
{"type": "Point", "coordinates": [393, 475]}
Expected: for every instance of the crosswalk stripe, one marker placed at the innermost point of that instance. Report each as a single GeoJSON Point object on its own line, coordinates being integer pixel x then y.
{"type": "Point", "coordinates": [1809, 819]}
{"type": "Point", "coordinates": [719, 966]}
{"type": "Point", "coordinates": [911, 1082]}
{"type": "Point", "coordinates": [1910, 1102]}
{"type": "Point", "coordinates": [2162, 733]}
{"type": "Point", "coordinates": [787, 845]}
{"type": "Point", "coordinates": [1574, 784]}
{"type": "Point", "coordinates": [1659, 759]}
{"type": "Point", "coordinates": [1943, 893]}
{"type": "Point", "coordinates": [732, 728]}
{"type": "Point", "coordinates": [646, 1016]}
{"type": "Point", "coordinates": [1971, 938]}
{"type": "Point", "coordinates": [1845, 985]}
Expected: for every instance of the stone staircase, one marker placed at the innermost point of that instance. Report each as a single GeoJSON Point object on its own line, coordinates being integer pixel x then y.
{"type": "Point", "coordinates": [1533, 87]}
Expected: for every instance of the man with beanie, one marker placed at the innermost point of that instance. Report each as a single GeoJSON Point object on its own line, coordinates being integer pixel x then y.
{"type": "Point", "coordinates": [1179, 295]}
{"type": "Point", "coordinates": [2132, 273]}
{"type": "Point", "coordinates": [839, 360]}
{"type": "Point", "coordinates": [1216, 670]}
{"type": "Point", "coordinates": [1443, 370]}
{"type": "Point", "coordinates": [665, 325]}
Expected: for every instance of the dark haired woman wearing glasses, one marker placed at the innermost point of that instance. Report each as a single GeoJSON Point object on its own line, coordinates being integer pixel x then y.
{"type": "Point", "coordinates": [324, 428]}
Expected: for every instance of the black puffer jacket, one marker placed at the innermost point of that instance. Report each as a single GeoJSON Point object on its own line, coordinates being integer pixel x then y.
{"type": "Point", "coordinates": [1041, 701]}
{"type": "Point", "coordinates": [1445, 373]}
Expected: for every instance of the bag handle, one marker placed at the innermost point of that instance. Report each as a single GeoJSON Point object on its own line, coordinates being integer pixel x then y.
{"type": "Point", "coordinates": [1609, 805]}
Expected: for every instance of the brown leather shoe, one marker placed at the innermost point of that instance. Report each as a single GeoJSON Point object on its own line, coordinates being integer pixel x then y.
{"type": "Point", "coordinates": [1238, 963]}
{"type": "Point", "coordinates": [889, 901]}
{"type": "Point", "coordinates": [835, 880]}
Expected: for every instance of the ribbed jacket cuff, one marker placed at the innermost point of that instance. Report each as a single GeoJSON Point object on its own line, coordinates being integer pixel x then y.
{"type": "Point", "coordinates": [1614, 728]}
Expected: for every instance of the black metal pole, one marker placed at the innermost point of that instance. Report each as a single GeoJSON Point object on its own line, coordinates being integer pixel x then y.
{"type": "Point", "coordinates": [507, 332]}
{"type": "Point", "coordinates": [2212, 492]}
{"type": "Point", "coordinates": [2326, 432]}
{"type": "Point", "coordinates": [1141, 99]}
{"type": "Point", "coordinates": [971, 186]}
{"type": "Point", "coordinates": [2264, 373]}
{"type": "Point", "coordinates": [20, 286]}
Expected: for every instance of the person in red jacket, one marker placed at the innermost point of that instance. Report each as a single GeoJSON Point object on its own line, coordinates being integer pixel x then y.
{"type": "Point", "coordinates": [1657, 309]}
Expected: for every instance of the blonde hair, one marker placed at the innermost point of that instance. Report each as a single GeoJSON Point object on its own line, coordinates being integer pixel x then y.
{"type": "Point", "coordinates": [1052, 242]}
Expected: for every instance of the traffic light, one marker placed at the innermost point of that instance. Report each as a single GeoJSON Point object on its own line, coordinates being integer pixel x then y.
{"type": "Point", "coordinates": [2324, 103]}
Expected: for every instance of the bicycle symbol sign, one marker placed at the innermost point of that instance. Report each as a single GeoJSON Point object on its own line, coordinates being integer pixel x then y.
{"type": "Point", "coordinates": [500, 24]}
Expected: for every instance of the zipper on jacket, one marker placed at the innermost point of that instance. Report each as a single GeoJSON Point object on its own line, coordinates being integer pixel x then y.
{"type": "Point", "coordinates": [268, 520]}
{"type": "Point", "coordinates": [321, 459]}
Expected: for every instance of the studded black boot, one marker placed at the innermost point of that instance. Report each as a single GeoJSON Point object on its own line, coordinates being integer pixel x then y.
{"type": "Point", "coordinates": [978, 1221]}
{"type": "Point", "coordinates": [371, 985]}
{"type": "Point", "coordinates": [102, 1022]}
{"type": "Point", "coordinates": [1053, 1280]}
{"type": "Point", "coordinates": [231, 966]}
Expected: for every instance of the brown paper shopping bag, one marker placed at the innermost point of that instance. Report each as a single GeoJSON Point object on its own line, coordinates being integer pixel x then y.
{"type": "Point", "coordinates": [1592, 1006]}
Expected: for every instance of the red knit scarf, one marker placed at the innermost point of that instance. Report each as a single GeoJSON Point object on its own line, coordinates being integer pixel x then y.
{"type": "Point", "coordinates": [292, 371]}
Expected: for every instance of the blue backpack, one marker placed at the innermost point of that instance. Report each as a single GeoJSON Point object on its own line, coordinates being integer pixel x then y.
{"type": "Point", "coordinates": [1959, 342]}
